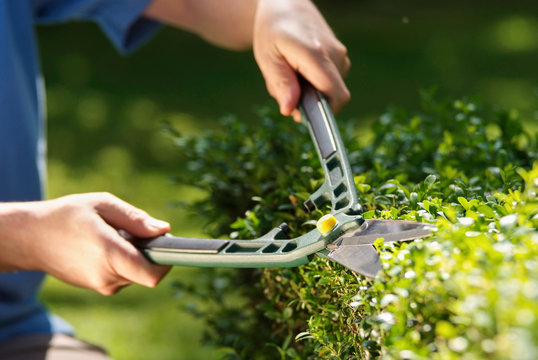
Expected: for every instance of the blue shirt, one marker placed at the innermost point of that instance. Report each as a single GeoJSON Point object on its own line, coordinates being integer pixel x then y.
{"type": "Point", "coordinates": [22, 117]}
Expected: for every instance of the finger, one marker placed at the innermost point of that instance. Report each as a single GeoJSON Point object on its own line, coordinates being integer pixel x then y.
{"type": "Point", "coordinates": [282, 83]}
{"type": "Point", "coordinates": [343, 65]}
{"type": "Point", "coordinates": [327, 79]}
{"type": "Point", "coordinates": [340, 59]}
{"type": "Point", "coordinates": [296, 115]}
{"type": "Point", "coordinates": [113, 287]}
{"type": "Point", "coordinates": [320, 70]}
{"type": "Point", "coordinates": [130, 264]}
{"type": "Point", "coordinates": [122, 215]}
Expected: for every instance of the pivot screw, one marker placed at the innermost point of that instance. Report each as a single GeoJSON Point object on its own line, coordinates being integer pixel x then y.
{"type": "Point", "coordinates": [326, 223]}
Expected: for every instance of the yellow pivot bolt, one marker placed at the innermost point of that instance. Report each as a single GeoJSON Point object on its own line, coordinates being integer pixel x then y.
{"type": "Point", "coordinates": [326, 223]}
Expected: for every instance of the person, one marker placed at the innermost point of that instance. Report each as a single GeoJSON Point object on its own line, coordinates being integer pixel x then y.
{"type": "Point", "coordinates": [75, 238]}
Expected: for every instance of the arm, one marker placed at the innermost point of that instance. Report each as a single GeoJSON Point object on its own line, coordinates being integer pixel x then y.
{"type": "Point", "coordinates": [74, 238]}
{"type": "Point", "coordinates": [287, 36]}
{"type": "Point", "coordinates": [226, 23]}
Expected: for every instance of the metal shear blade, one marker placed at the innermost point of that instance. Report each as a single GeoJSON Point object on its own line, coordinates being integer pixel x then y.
{"type": "Point", "coordinates": [363, 259]}
{"type": "Point", "coordinates": [355, 250]}
{"type": "Point", "coordinates": [389, 230]}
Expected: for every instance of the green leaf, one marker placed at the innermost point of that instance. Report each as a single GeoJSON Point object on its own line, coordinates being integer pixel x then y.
{"type": "Point", "coordinates": [442, 292]}
{"type": "Point", "coordinates": [445, 329]}
{"type": "Point", "coordinates": [430, 181]}
{"type": "Point", "coordinates": [378, 243]}
{"type": "Point", "coordinates": [463, 201]}
{"type": "Point", "coordinates": [363, 188]}
{"type": "Point", "coordinates": [368, 214]}
{"type": "Point", "coordinates": [487, 211]}
{"type": "Point", "coordinates": [287, 313]}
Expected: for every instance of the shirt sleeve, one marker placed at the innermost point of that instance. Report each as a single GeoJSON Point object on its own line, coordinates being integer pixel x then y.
{"type": "Point", "coordinates": [121, 20]}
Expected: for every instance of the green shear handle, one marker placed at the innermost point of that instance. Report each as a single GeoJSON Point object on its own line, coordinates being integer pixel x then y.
{"type": "Point", "coordinates": [273, 248]}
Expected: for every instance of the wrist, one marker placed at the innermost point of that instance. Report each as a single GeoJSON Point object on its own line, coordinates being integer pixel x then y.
{"type": "Point", "coordinates": [16, 222]}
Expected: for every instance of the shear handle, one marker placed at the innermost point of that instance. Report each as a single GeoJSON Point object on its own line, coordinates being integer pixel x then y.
{"type": "Point", "coordinates": [318, 113]}
{"type": "Point", "coordinates": [180, 244]}
{"type": "Point", "coordinates": [339, 187]}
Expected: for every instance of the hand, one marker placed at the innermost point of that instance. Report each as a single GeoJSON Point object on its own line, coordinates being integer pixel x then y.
{"type": "Point", "coordinates": [75, 238]}
{"type": "Point", "coordinates": [290, 37]}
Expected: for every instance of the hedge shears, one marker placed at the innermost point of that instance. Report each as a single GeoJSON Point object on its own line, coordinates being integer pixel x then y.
{"type": "Point", "coordinates": [343, 235]}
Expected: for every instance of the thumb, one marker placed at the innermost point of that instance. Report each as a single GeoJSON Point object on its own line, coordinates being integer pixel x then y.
{"type": "Point", "coordinates": [135, 221]}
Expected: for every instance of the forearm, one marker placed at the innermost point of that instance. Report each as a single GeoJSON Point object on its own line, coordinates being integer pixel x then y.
{"type": "Point", "coordinates": [14, 221]}
{"type": "Point", "coordinates": [288, 37]}
{"type": "Point", "coordinates": [76, 239]}
{"type": "Point", "coordinates": [226, 23]}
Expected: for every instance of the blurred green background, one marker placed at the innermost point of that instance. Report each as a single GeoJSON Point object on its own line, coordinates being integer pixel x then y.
{"type": "Point", "coordinates": [106, 113]}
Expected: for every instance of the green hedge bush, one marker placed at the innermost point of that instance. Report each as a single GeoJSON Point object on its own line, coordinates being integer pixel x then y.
{"type": "Point", "coordinates": [468, 292]}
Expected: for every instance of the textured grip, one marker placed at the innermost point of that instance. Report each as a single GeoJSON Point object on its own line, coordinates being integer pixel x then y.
{"type": "Point", "coordinates": [180, 244]}
{"type": "Point", "coordinates": [316, 114]}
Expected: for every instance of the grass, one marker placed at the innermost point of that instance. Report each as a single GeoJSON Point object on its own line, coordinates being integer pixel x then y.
{"type": "Point", "coordinates": [106, 113]}
{"type": "Point", "coordinates": [137, 324]}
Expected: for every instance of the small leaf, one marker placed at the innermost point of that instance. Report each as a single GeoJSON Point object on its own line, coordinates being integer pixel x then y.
{"type": "Point", "coordinates": [369, 214]}
{"type": "Point", "coordinates": [413, 198]}
{"type": "Point", "coordinates": [287, 313]}
{"type": "Point", "coordinates": [463, 201]}
{"type": "Point", "coordinates": [487, 211]}
{"type": "Point", "coordinates": [303, 336]}
{"type": "Point", "coordinates": [378, 243]}
{"type": "Point", "coordinates": [388, 187]}
{"type": "Point", "coordinates": [363, 188]}
{"type": "Point", "coordinates": [430, 180]}
{"type": "Point", "coordinates": [445, 329]}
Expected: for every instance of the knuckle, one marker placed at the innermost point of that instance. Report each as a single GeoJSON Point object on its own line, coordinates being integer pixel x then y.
{"type": "Point", "coordinates": [107, 291]}
{"type": "Point", "coordinates": [347, 64]}
{"type": "Point", "coordinates": [157, 273]}
{"type": "Point", "coordinates": [106, 196]}
{"type": "Point", "coordinates": [346, 95]}
{"type": "Point", "coordinates": [153, 280]}
{"type": "Point", "coordinates": [316, 49]}
{"type": "Point", "coordinates": [101, 197]}
{"type": "Point", "coordinates": [338, 101]}
{"type": "Point", "coordinates": [137, 216]}
{"type": "Point", "coordinates": [153, 283]}
{"type": "Point", "coordinates": [102, 287]}
{"type": "Point", "coordinates": [341, 49]}
{"type": "Point", "coordinates": [103, 284]}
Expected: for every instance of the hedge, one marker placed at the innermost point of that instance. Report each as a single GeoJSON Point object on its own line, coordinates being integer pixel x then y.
{"type": "Point", "coordinates": [468, 292]}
